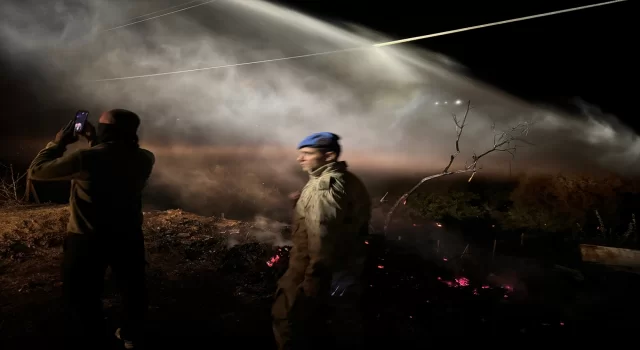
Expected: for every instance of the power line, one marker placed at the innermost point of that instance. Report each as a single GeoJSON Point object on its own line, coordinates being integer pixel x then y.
{"type": "Point", "coordinates": [235, 64]}
{"type": "Point", "coordinates": [158, 16]}
{"type": "Point", "coordinates": [389, 43]}
{"type": "Point", "coordinates": [168, 8]}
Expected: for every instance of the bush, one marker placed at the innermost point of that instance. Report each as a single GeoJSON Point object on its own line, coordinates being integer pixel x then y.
{"type": "Point", "coordinates": [454, 205]}
{"type": "Point", "coordinates": [542, 203]}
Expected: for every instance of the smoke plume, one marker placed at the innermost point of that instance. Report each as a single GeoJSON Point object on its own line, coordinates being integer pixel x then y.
{"type": "Point", "coordinates": [230, 133]}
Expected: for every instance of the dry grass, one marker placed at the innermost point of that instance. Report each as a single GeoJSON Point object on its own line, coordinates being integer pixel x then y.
{"type": "Point", "coordinates": [30, 231]}
{"type": "Point", "coordinates": [203, 266]}
{"type": "Point", "coordinates": [177, 242]}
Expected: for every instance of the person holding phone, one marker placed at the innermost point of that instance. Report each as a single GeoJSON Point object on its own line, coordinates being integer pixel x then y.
{"type": "Point", "coordinates": [105, 223]}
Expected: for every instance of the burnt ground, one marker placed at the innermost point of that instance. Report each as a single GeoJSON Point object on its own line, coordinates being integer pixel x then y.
{"type": "Point", "coordinates": [210, 282]}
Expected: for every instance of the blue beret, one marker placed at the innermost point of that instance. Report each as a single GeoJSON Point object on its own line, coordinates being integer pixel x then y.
{"type": "Point", "coordinates": [321, 140]}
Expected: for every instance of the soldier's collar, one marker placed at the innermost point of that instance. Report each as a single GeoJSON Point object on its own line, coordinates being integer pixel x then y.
{"type": "Point", "coordinates": [328, 168]}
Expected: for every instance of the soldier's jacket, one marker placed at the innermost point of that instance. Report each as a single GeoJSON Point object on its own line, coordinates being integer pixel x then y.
{"type": "Point", "coordinates": [106, 185]}
{"type": "Point", "coordinates": [335, 208]}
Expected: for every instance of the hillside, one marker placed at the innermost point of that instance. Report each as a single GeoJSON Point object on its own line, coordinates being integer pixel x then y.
{"type": "Point", "coordinates": [210, 265]}
{"type": "Point", "coordinates": [211, 278]}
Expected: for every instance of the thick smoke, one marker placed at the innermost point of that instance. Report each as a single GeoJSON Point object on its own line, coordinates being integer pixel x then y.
{"type": "Point", "coordinates": [220, 133]}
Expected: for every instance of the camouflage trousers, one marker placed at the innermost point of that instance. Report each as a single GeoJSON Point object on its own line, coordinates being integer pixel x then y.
{"type": "Point", "coordinates": [316, 309]}
{"type": "Point", "coordinates": [302, 321]}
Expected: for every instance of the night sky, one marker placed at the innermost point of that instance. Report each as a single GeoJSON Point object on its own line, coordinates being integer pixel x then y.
{"type": "Point", "coordinates": [587, 54]}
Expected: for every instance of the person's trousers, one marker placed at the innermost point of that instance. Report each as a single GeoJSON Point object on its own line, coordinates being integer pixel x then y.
{"type": "Point", "coordinates": [302, 321]}
{"type": "Point", "coordinates": [86, 258]}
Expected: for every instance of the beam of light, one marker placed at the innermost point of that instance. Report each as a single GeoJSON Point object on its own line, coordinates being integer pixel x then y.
{"type": "Point", "coordinates": [402, 41]}
{"type": "Point", "coordinates": [389, 43]}
{"type": "Point", "coordinates": [158, 16]}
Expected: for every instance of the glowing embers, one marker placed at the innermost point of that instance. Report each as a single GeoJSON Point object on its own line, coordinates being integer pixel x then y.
{"type": "Point", "coordinates": [273, 260]}
{"type": "Point", "coordinates": [278, 256]}
{"type": "Point", "coordinates": [464, 282]}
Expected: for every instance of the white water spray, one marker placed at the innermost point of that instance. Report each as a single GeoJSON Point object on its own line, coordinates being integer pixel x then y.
{"type": "Point", "coordinates": [388, 43]}
{"type": "Point", "coordinates": [381, 100]}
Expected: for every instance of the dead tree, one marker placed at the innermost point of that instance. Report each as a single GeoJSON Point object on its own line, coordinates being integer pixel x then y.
{"type": "Point", "coordinates": [503, 141]}
{"type": "Point", "coordinates": [9, 185]}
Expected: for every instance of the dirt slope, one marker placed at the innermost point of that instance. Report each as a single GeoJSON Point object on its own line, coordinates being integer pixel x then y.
{"type": "Point", "coordinates": [32, 236]}
{"type": "Point", "coordinates": [209, 279]}
{"type": "Point", "coordinates": [208, 264]}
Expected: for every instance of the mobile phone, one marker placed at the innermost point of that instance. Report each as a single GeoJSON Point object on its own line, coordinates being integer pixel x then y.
{"type": "Point", "coordinates": [80, 120]}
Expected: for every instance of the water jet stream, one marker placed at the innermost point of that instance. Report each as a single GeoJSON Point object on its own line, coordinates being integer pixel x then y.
{"type": "Point", "coordinates": [389, 43]}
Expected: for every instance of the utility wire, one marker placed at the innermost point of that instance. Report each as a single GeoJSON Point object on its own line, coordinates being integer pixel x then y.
{"type": "Point", "coordinates": [158, 16]}
{"type": "Point", "coordinates": [168, 8]}
{"type": "Point", "coordinates": [389, 43]}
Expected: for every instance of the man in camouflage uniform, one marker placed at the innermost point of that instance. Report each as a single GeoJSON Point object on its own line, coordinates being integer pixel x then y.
{"type": "Point", "coordinates": [105, 224]}
{"type": "Point", "coordinates": [331, 220]}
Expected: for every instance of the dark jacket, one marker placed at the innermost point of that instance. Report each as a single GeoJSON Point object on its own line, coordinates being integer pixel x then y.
{"type": "Point", "coordinates": [106, 185]}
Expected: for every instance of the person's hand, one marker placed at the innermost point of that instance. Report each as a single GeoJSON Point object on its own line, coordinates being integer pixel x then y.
{"type": "Point", "coordinates": [294, 196]}
{"type": "Point", "coordinates": [66, 135]}
{"type": "Point", "coordinates": [89, 132]}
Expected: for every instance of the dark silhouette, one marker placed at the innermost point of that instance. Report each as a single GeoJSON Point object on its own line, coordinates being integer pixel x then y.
{"type": "Point", "coordinates": [105, 225]}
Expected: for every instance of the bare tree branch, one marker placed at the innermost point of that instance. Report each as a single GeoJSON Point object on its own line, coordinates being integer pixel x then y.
{"type": "Point", "coordinates": [9, 184]}
{"type": "Point", "coordinates": [503, 141]}
{"type": "Point", "coordinates": [459, 128]}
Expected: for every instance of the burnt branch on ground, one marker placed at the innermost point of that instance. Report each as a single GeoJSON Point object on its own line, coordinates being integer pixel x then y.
{"type": "Point", "coordinates": [503, 141]}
